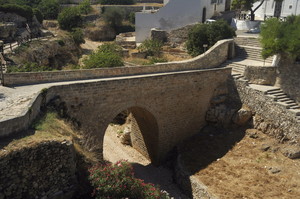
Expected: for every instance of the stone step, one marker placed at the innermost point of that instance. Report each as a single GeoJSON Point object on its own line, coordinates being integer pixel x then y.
{"type": "Point", "coordinates": [238, 69]}
{"type": "Point", "coordinates": [275, 92]}
{"type": "Point", "coordinates": [279, 94]}
{"type": "Point", "coordinates": [287, 101]}
{"type": "Point", "coordinates": [283, 104]}
{"type": "Point", "coordinates": [290, 106]}
{"type": "Point", "coordinates": [281, 97]}
{"type": "Point", "coordinates": [274, 89]}
{"type": "Point", "coordinates": [294, 107]}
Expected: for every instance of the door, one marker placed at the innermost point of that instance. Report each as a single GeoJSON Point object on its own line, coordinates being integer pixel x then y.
{"type": "Point", "coordinates": [277, 10]}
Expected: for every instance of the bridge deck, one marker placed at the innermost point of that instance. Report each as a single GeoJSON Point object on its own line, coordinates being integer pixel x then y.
{"type": "Point", "coordinates": [15, 101]}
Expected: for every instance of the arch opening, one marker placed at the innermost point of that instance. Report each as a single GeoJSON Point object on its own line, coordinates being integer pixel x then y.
{"type": "Point", "coordinates": [134, 129]}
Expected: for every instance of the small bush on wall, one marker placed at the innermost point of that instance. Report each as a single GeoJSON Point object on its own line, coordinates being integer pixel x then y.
{"type": "Point", "coordinates": [207, 34]}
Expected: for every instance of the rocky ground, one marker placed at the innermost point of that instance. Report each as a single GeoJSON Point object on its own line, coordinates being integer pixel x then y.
{"type": "Point", "coordinates": [242, 164]}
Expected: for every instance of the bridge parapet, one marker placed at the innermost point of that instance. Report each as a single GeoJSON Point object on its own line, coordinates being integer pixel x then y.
{"type": "Point", "coordinates": [212, 58]}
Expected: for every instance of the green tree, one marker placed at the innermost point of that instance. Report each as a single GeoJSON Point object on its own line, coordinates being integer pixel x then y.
{"type": "Point", "coordinates": [78, 36]}
{"type": "Point", "coordinates": [85, 7]}
{"type": "Point", "coordinates": [113, 17]}
{"type": "Point", "coordinates": [151, 47]}
{"type": "Point", "coordinates": [281, 37]}
{"type": "Point", "coordinates": [69, 18]}
{"type": "Point", "coordinates": [246, 5]}
{"type": "Point", "coordinates": [49, 8]}
{"type": "Point", "coordinates": [22, 10]}
{"type": "Point", "coordinates": [207, 34]}
{"type": "Point", "coordinates": [107, 55]}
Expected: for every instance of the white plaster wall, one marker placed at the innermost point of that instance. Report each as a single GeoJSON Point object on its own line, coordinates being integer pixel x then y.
{"type": "Point", "coordinates": [269, 6]}
{"type": "Point", "coordinates": [175, 14]}
{"type": "Point", "coordinates": [166, 1]}
{"type": "Point", "coordinates": [244, 25]}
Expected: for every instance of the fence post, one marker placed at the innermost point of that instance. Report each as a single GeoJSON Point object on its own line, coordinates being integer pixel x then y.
{"type": "Point", "coordinates": [2, 62]}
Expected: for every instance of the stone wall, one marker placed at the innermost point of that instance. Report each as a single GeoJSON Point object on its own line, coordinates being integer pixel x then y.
{"type": "Point", "coordinates": [289, 78]}
{"type": "Point", "coordinates": [22, 122]}
{"type": "Point", "coordinates": [210, 59]}
{"type": "Point", "coordinates": [262, 75]}
{"type": "Point", "coordinates": [274, 119]}
{"type": "Point", "coordinates": [39, 170]}
{"type": "Point", "coordinates": [179, 36]}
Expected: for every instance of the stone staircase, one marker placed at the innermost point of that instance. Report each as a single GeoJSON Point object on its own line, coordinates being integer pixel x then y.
{"type": "Point", "coordinates": [252, 53]}
{"type": "Point", "coordinates": [279, 97]}
{"type": "Point", "coordinates": [249, 49]}
{"type": "Point", "coordinates": [236, 67]}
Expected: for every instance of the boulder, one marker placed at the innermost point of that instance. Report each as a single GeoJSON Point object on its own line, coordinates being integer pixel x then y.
{"type": "Point", "coordinates": [125, 137]}
{"type": "Point", "coordinates": [292, 152]}
{"type": "Point", "coordinates": [242, 116]}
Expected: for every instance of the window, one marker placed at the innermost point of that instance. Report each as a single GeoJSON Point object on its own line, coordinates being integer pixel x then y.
{"type": "Point", "coordinates": [213, 1]}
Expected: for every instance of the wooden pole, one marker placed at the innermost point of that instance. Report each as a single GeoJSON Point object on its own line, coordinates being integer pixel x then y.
{"type": "Point", "coordinates": [1, 68]}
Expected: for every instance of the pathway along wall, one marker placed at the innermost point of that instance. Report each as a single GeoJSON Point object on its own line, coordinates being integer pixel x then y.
{"type": "Point", "coordinates": [212, 58]}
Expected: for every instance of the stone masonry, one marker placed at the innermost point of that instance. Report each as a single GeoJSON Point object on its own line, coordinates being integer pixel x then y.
{"type": "Point", "coordinates": [167, 108]}
{"type": "Point", "coordinates": [38, 170]}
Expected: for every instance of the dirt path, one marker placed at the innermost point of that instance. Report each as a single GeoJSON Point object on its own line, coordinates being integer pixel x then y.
{"type": "Point", "coordinates": [90, 45]}
{"type": "Point", "coordinates": [114, 151]}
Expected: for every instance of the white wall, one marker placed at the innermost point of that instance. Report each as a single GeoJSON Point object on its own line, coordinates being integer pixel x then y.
{"type": "Point", "coordinates": [269, 5]}
{"type": "Point", "coordinates": [175, 14]}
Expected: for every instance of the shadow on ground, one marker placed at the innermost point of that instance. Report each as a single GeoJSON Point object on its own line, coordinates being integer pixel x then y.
{"type": "Point", "coordinates": [203, 149]}
{"type": "Point", "coordinates": [6, 140]}
{"type": "Point", "coordinates": [159, 175]}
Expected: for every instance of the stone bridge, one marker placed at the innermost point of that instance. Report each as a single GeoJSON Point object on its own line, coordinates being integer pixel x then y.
{"type": "Point", "coordinates": [168, 102]}
{"type": "Point", "coordinates": [166, 108]}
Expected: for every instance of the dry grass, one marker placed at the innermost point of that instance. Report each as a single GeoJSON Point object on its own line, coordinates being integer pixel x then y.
{"type": "Point", "coordinates": [241, 169]}
{"type": "Point", "coordinates": [51, 127]}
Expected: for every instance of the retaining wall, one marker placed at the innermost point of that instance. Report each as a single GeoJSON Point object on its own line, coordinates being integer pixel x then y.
{"type": "Point", "coordinates": [38, 170]}
{"type": "Point", "coordinates": [276, 120]}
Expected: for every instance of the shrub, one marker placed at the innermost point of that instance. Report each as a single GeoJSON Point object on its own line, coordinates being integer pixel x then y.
{"type": "Point", "coordinates": [85, 7]}
{"type": "Point", "coordinates": [131, 17]}
{"type": "Point", "coordinates": [49, 8]}
{"type": "Point", "coordinates": [151, 47]}
{"type": "Point", "coordinates": [24, 11]}
{"type": "Point", "coordinates": [117, 2]}
{"type": "Point", "coordinates": [281, 37]}
{"type": "Point", "coordinates": [77, 36]}
{"type": "Point", "coordinates": [113, 17]}
{"type": "Point", "coordinates": [117, 181]}
{"type": "Point", "coordinates": [208, 34]}
{"type": "Point", "coordinates": [28, 67]}
{"type": "Point", "coordinates": [38, 14]}
{"type": "Point", "coordinates": [105, 56]}
{"type": "Point", "coordinates": [70, 18]}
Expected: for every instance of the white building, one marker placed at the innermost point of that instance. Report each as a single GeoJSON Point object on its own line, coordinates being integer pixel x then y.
{"type": "Point", "coordinates": [176, 14]}
{"type": "Point", "coordinates": [282, 9]}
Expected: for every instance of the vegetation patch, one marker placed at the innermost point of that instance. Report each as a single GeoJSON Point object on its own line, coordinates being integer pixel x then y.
{"type": "Point", "coordinates": [107, 55]}
{"type": "Point", "coordinates": [117, 181]}
{"type": "Point", "coordinates": [203, 36]}
{"type": "Point", "coordinates": [281, 37]}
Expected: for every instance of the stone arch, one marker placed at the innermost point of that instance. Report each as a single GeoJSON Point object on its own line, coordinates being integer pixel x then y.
{"type": "Point", "coordinates": [144, 131]}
